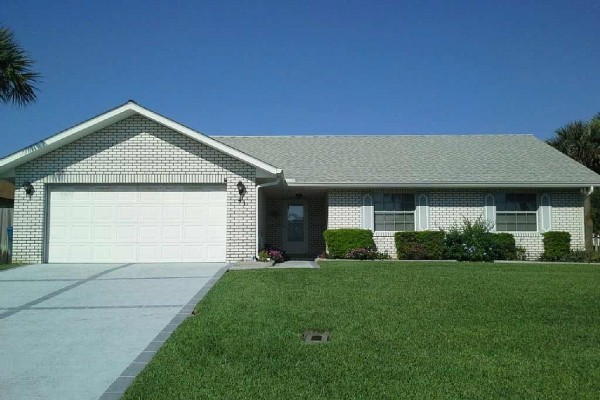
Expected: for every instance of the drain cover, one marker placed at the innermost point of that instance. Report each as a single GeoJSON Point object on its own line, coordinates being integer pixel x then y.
{"type": "Point", "coordinates": [315, 337]}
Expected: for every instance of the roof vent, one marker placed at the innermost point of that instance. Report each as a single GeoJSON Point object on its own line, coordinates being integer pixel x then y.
{"type": "Point", "coordinates": [312, 337]}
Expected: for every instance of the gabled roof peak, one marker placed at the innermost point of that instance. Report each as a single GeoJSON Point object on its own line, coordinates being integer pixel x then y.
{"type": "Point", "coordinates": [110, 117]}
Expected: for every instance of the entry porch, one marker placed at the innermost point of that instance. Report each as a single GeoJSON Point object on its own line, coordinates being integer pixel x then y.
{"type": "Point", "coordinates": [293, 220]}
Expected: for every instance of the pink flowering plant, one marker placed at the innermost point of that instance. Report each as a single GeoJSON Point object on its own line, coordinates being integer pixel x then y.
{"type": "Point", "coordinates": [274, 254]}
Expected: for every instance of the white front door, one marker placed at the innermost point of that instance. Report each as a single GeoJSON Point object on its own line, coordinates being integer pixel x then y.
{"type": "Point", "coordinates": [295, 230]}
{"type": "Point", "coordinates": [137, 223]}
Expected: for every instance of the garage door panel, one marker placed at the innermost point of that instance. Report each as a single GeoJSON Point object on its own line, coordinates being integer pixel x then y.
{"type": "Point", "coordinates": [194, 233]}
{"type": "Point", "coordinates": [81, 213]}
{"type": "Point", "coordinates": [150, 197]}
{"type": "Point", "coordinates": [149, 233]}
{"type": "Point", "coordinates": [195, 213]}
{"type": "Point", "coordinates": [137, 223]}
{"type": "Point", "coordinates": [215, 252]}
{"type": "Point", "coordinates": [172, 253]}
{"type": "Point", "coordinates": [59, 232]}
{"type": "Point", "coordinates": [103, 213]}
{"type": "Point", "coordinates": [102, 252]}
{"type": "Point", "coordinates": [81, 197]}
{"type": "Point", "coordinates": [127, 233]}
{"type": "Point", "coordinates": [150, 213]}
{"type": "Point", "coordinates": [127, 213]}
{"type": "Point", "coordinates": [103, 233]}
{"type": "Point", "coordinates": [198, 252]}
{"type": "Point", "coordinates": [61, 212]}
{"type": "Point", "coordinates": [172, 197]}
{"type": "Point", "coordinates": [148, 253]}
{"type": "Point", "coordinates": [214, 234]}
{"type": "Point", "coordinates": [127, 197]}
{"type": "Point", "coordinates": [125, 252]}
{"type": "Point", "coordinates": [195, 197]}
{"type": "Point", "coordinates": [172, 213]}
{"type": "Point", "coordinates": [215, 214]}
{"type": "Point", "coordinates": [80, 252]}
{"type": "Point", "coordinates": [172, 233]}
{"type": "Point", "coordinates": [104, 196]}
{"type": "Point", "coordinates": [215, 197]}
{"type": "Point", "coordinates": [80, 233]}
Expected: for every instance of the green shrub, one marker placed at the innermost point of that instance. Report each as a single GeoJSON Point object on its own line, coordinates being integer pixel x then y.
{"type": "Point", "coordinates": [340, 241]}
{"type": "Point", "coordinates": [423, 245]}
{"type": "Point", "coordinates": [581, 256]}
{"type": "Point", "coordinates": [557, 245]}
{"type": "Point", "coordinates": [472, 241]}
{"type": "Point", "coordinates": [504, 246]}
{"type": "Point", "coordinates": [521, 253]}
{"type": "Point", "coordinates": [263, 256]}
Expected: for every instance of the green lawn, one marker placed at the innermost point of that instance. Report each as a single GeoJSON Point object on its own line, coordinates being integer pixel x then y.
{"type": "Point", "coordinates": [9, 266]}
{"type": "Point", "coordinates": [398, 331]}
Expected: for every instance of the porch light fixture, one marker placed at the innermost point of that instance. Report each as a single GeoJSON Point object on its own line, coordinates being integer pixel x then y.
{"type": "Point", "coordinates": [28, 187]}
{"type": "Point", "coordinates": [241, 190]}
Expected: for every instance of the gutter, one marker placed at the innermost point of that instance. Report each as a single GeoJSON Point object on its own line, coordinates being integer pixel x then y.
{"type": "Point", "coordinates": [258, 187]}
{"type": "Point", "coordinates": [291, 183]}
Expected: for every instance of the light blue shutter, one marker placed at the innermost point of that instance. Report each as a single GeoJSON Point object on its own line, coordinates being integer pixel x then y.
{"type": "Point", "coordinates": [489, 211]}
{"type": "Point", "coordinates": [545, 213]}
{"type": "Point", "coordinates": [367, 215]}
{"type": "Point", "coordinates": [422, 213]}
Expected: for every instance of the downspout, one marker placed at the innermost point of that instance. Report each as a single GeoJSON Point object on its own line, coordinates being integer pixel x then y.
{"type": "Point", "coordinates": [588, 225]}
{"type": "Point", "coordinates": [258, 187]}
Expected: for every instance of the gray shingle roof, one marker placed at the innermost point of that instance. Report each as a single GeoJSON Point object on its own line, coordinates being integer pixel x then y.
{"type": "Point", "coordinates": [416, 159]}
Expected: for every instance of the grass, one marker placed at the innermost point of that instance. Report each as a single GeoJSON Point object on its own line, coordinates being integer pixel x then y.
{"type": "Point", "coordinates": [9, 266]}
{"type": "Point", "coordinates": [398, 330]}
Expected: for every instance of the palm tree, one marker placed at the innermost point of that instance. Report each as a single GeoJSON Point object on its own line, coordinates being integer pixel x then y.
{"type": "Point", "coordinates": [581, 141]}
{"type": "Point", "coordinates": [17, 80]}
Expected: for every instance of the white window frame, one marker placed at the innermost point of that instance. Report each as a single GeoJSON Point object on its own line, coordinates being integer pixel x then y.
{"type": "Point", "coordinates": [413, 212]}
{"type": "Point", "coordinates": [536, 213]}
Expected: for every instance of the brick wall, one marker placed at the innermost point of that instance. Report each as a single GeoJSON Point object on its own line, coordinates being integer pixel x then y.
{"type": "Point", "coordinates": [449, 207]}
{"type": "Point", "coordinates": [135, 150]}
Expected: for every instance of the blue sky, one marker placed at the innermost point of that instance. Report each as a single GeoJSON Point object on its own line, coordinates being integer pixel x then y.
{"type": "Point", "coordinates": [311, 67]}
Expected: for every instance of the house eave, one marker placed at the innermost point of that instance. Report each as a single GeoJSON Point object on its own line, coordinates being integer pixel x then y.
{"type": "Point", "coordinates": [443, 185]}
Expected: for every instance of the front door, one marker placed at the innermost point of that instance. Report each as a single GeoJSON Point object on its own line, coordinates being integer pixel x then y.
{"type": "Point", "coordinates": [295, 230]}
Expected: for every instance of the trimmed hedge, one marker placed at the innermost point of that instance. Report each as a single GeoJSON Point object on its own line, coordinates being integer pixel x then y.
{"type": "Point", "coordinates": [340, 241]}
{"type": "Point", "coordinates": [422, 245]}
{"type": "Point", "coordinates": [557, 245]}
{"type": "Point", "coordinates": [505, 246]}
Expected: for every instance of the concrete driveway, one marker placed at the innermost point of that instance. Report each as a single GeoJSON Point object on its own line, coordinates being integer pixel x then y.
{"type": "Point", "coordinates": [83, 331]}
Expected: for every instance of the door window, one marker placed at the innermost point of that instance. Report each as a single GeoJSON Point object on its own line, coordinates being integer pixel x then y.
{"type": "Point", "coordinates": [295, 223]}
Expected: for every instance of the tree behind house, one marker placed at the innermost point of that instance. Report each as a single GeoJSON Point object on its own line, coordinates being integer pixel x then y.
{"type": "Point", "coordinates": [580, 140]}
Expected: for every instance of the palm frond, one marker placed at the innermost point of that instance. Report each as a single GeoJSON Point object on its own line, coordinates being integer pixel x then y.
{"type": "Point", "coordinates": [581, 141]}
{"type": "Point", "coordinates": [17, 79]}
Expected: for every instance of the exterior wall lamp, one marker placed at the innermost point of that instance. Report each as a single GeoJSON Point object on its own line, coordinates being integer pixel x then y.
{"type": "Point", "coordinates": [241, 190]}
{"type": "Point", "coordinates": [28, 187]}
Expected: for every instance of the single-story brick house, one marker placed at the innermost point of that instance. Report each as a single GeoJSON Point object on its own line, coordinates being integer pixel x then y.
{"type": "Point", "coordinates": [130, 185]}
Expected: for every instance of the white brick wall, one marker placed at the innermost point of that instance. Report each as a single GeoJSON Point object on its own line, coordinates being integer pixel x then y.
{"type": "Point", "coordinates": [449, 207]}
{"type": "Point", "coordinates": [135, 150]}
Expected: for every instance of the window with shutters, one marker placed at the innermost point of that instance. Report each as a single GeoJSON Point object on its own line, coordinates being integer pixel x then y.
{"type": "Point", "coordinates": [394, 212]}
{"type": "Point", "coordinates": [516, 212]}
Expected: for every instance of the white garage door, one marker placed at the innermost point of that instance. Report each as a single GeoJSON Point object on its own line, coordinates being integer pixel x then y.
{"type": "Point", "coordinates": [124, 223]}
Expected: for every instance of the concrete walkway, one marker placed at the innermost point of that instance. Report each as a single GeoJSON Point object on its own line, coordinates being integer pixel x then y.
{"type": "Point", "coordinates": [83, 331]}
{"type": "Point", "coordinates": [245, 265]}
